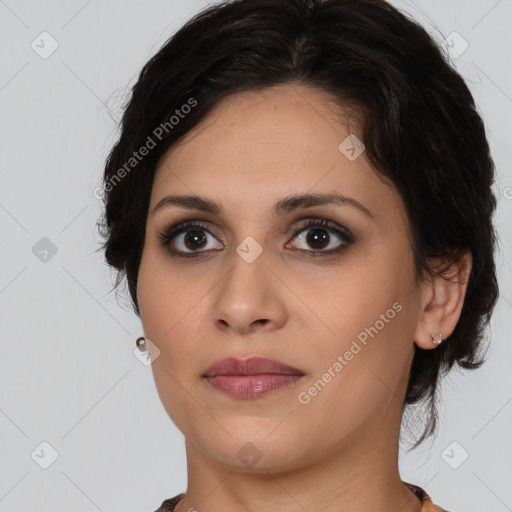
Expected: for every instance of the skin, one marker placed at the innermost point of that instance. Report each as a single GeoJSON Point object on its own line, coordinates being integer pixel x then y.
{"type": "Point", "coordinates": [338, 452]}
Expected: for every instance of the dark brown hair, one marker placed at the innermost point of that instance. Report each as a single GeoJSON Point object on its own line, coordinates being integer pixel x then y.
{"type": "Point", "coordinates": [421, 130]}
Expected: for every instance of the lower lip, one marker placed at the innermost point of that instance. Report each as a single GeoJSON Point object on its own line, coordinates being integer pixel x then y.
{"type": "Point", "coordinates": [251, 386]}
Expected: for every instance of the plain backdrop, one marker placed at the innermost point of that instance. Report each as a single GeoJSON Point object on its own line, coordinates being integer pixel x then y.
{"type": "Point", "coordinates": [73, 396]}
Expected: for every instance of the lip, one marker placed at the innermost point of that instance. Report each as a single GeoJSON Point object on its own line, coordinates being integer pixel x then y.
{"type": "Point", "coordinates": [251, 378]}
{"type": "Point", "coordinates": [250, 366]}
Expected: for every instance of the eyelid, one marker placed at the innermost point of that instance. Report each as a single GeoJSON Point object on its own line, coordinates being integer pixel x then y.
{"type": "Point", "coordinates": [327, 224]}
{"type": "Point", "coordinates": [176, 228]}
{"type": "Point", "coordinates": [304, 220]}
{"type": "Point", "coordinates": [173, 229]}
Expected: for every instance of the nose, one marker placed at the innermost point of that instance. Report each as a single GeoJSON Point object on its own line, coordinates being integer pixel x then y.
{"type": "Point", "coordinates": [249, 298]}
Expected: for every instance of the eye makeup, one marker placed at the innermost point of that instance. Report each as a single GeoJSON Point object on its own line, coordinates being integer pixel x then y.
{"type": "Point", "coordinates": [171, 232]}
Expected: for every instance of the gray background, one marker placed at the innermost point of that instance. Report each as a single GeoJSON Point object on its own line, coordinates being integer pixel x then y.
{"type": "Point", "coordinates": [68, 375]}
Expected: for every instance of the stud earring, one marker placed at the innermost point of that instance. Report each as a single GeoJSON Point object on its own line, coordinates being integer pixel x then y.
{"type": "Point", "coordinates": [141, 344]}
{"type": "Point", "coordinates": [438, 340]}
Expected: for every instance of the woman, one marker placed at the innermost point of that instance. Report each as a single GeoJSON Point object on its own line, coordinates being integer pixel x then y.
{"type": "Point", "coordinates": [300, 200]}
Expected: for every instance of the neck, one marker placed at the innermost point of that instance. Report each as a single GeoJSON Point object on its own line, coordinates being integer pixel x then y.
{"type": "Point", "coordinates": [359, 476]}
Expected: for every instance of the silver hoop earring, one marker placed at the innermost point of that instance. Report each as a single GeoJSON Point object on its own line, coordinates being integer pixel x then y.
{"type": "Point", "coordinates": [436, 341]}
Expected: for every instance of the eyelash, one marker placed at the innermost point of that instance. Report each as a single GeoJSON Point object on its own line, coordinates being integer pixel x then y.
{"type": "Point", "coordinates": [169, 232]}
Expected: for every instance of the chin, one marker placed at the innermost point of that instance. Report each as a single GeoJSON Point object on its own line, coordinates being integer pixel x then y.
{"type": "Point", "coordinates": [253, 450]}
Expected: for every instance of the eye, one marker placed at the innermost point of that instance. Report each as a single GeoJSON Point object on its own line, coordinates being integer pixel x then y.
{"type": "Point", "coordinates": [190, 239]}
{"type": "Point", "coordinates": [315, 233]}
{"type": "Point", "coordinates": [188, 236]}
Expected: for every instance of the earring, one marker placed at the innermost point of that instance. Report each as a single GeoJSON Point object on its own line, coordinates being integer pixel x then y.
{"type": "Point", "coordinates": [141, 344]}
{"type": "Point", "coordinates": [438, 341]}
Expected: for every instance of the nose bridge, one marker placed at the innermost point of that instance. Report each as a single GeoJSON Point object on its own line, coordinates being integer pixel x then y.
{"type": "Point", "coordinates": [247, 270]}
{"type": "Point", "coordinates": [248, 293]}
{"type": "Point", "coordinates": [249, 252]}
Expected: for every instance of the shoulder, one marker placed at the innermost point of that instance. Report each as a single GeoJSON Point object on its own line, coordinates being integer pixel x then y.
{"type": "Point", "coordinates": [169, 504]}
{"type": "Point", "coordinates": [426, 501]}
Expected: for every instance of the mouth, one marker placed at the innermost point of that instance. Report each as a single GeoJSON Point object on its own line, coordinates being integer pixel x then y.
{"type": "Point", "coordinates": [251, 386]}
{"type": "Point", "coordinates": [250, 378]}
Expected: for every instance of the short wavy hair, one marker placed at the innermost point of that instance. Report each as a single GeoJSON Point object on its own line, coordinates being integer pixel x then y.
{"type": "Point", "coordinates": [420, 127]}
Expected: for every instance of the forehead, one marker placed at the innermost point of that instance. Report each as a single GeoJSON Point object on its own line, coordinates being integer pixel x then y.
{"type": "Point", "coordinates": [292, 115]}
{"type": "Point", "coordinates": [257, 146]}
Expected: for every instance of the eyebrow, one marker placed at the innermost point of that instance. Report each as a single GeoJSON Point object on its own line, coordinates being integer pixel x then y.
{"type": "Point", "coordinates": [282, 207]}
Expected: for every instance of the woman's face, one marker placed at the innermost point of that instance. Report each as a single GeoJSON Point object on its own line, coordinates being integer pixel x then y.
{"type": "Point", "coordinates": [338, 302]}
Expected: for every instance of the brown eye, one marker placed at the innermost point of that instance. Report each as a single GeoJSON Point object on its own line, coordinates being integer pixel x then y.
{"type": "Point", "coordinates": [317, 238]}
{"type": "Point", "coordinates": [194, 239]}
{"type": "Point", "coordinates": [188, 239]}
{"type": "Point", "coordinates": [318, 235]}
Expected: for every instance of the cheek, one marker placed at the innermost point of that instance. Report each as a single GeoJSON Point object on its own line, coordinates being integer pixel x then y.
{"type": "Point", "coordinates": [361, 312]}
{"type": "Point", "coordinates": [176, 370]}
{"type": "Point", "coordinates": [349, 294]}
{"type": "Point", "coordinates": [167, 294]}
{"type": "Point", "coordinates": [170, 306]}
{"type": "Point", "coordinates": [170, 321]}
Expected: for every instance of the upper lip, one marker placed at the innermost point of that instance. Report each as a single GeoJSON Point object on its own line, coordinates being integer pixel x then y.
{"type": "Point", "coordinates": [250, 366]}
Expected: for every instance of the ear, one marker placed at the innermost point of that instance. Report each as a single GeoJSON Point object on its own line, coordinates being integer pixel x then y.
{"type": "Point", "coordinates": [442, 300]}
